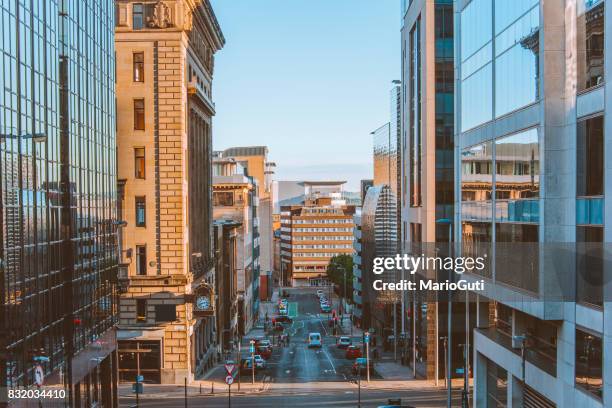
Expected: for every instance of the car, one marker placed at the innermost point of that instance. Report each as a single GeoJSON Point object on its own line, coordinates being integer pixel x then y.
{"type": "Point", "coordinates": [344, 342]}
{"type": "Point", "coordinates": [246, 366]}
{"type": "Point", "coordinates": [283, 319]}
{"type": "Point", "coordinates": [353, 352]}
{"type": "Point", "coordinates": [260, 362]}
{"type": "Point", "coordinates": [325, 309]}
{"type": "Point", "coordinates": [315, 340]}
{"type": "Point", "coordinates": [319, 293]}
{"type": "Point", "coordinates": [264, 343]}
{"type": "Point", "coordinates": [359, 366]}
{"type": "Point", "coordinates": [265, 352]}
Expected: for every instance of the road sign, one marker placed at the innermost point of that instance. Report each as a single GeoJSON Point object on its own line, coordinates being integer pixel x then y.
{"type": "Point", "coordinates": [138, 388]}
{"type": "Point", "coordinates": [252, 347]}
{"type": "Point", "coordinates": [139, 378]}
{"type": "Point", "coordinates": [366, 338]}
{"type": "Point", "coordinates": [229, 368]}
{"type": "Point", "coordinates": [39, 375]}
{"type": "Point", "coordinates": [229, 380]}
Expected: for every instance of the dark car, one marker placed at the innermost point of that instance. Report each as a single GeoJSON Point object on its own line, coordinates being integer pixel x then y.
{"type": "Point", "coordinates": [283, 319]}
{"type": "Point", "coordinates": [246, 366]}
{"type": "Point", "coordinates": [264, 351]}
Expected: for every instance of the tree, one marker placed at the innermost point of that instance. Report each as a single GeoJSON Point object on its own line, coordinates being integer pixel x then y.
{"type": "Point", "coordinates": [335, 273]}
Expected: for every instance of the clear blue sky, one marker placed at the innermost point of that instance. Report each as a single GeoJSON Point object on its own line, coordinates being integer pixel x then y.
{"type": "Point", "coordinates": [308, 78]}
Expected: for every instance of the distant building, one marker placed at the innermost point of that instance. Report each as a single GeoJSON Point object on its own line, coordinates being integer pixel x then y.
{"type": "Point", "coordinates": [255, 160]}
{"type": "Point", "coordinates": [235, 199]}
{"type": "Point", "coordinates": [313, 232]}
{"type": "Point", "coordinates": [226, 233]}
{"type": "Point", "coordinates": [365, 185]}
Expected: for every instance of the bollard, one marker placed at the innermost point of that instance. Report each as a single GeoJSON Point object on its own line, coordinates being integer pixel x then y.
{"type": "Point", "coordinates": [212, 387]}
{"type": "Point", "coordinates": [200, 388]}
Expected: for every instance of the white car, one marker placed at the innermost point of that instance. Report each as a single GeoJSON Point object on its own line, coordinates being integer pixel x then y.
{"type": "Point", "coordinates": [319, 293]}
{"type": "Point", "coordinates": [315, 340]}
{"type": "Point", "coordinates": [259, 361]}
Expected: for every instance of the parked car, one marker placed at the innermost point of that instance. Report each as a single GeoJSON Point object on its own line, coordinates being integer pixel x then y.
{"type": "Point", "coordinates": [315, 340]}
{"type": "Point", "coordinates": [319, 293]}
{"type": "Point", "coordinates": [344, 342]}
{"type": "Point", "coordinates": [359, 366]}
{"type": "Point", "coordinates": [325, 308]}
{"type": "Point", "coordinates": [279, 327]}
{"type": "Point", "coordinates": [353, 352]}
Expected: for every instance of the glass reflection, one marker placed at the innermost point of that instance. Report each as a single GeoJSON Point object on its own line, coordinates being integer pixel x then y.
{"type": "Point", "coordinates": [477, 182]}
{"type": "Point", "coordinates": [590, 41]}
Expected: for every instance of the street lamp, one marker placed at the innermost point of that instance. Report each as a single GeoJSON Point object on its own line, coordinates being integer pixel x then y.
{"type": "Point", "coordinates": [449, 362]}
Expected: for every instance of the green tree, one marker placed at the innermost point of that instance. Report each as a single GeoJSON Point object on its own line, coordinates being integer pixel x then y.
{"type": "Point", "coordinates": [335, 273]}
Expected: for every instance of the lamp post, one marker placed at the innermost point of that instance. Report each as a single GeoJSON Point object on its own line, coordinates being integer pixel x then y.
{"type": "Point", "coordinates": [449, 361]}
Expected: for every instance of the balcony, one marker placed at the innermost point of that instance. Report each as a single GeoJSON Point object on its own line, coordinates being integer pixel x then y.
{"type": "Point", "coordinates": [196, 90]}
{"type": "Point", "coordinates": [540, 353]}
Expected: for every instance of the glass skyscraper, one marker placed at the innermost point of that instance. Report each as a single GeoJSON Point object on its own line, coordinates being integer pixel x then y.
{"type": "Point", "coordinates": [58, 248]}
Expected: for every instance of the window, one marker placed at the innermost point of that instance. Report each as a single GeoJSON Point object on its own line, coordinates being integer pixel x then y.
{"type": "Point", "coordinates": [141, 310]}
{"type": "Point", "coordinates": [516, 271]}
{"type": "Point", "coordinates": [138, 16]}
{"type": "Point", "coordinates": [223, 198]}
{"type": "Point", "coordinates": [141, 259]}
{"type": "Point", "coordinates": [497, 385]}
{"type": "Point", "coordinates": [139, 114]}
{"type": "Point", "coordinates": [589, 362]}
{"type": "Point", "coordinates": [138, 62]}
{"type": "Point", "coordinates": [590, 39]}
{"type": "Point", "coordinates": [165, 313]}
{"type": "Point", "coordinates": [590, 160]}
{"type": "Point", "coordinates": [139, 162]}
{"type": "Point", "coordinates": [414, 131]}
{"type": "Point", "coordinates": [141, 212]}
{"type": "Point", "coordinates": [589, 265]}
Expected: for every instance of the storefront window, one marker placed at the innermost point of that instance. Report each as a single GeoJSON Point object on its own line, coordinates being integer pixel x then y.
{"type": "Point", "coordinates": [590, 157]}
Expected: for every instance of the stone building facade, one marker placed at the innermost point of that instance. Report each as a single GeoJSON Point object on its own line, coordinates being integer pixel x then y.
{"type": "Point", "coordinates": [165, 63]}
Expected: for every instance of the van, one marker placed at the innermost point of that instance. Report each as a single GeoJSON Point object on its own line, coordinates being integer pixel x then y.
{"type": "Point", "coordinates": [314, 340]}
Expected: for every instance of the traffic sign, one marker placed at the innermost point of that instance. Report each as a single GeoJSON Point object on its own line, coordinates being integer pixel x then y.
{"type": "Point", "coordinates": [252, 347]}
{"type": "Point", "coordinates": [229, 380]}
{"type": "Point", "coordinates": [229, 368]}
{"type": "Point", "coordinates": [138, 388]}
{"type": "Point", "coordinates": [39, 375]}
{"type": "Point", "coordinates": [366, 338]}
{"type": "Point", "coordinates": [139, 378]}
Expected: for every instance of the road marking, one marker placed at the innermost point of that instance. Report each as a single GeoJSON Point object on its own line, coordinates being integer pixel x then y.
{"type": "Point", "coordinates": [323, 326]}
{"type": "Point", "coordinates": [330, 360]}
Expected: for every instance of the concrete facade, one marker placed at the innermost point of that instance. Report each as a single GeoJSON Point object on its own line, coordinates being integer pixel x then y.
{"type": "Point", "coordinates": [164, 80]}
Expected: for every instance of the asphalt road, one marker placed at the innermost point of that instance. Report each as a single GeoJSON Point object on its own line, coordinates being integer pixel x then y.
{"type": "Point", "coordinates": [303, 377]}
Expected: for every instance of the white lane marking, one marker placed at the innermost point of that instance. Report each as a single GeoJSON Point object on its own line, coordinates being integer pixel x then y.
{"type": "Point", "coordinates": [330, 360]}
{"type": "Point", "coordinates": [323, 326]}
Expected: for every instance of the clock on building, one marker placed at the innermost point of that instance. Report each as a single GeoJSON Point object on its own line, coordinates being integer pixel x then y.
{"type": "Point", "coordinates": [203, 303]}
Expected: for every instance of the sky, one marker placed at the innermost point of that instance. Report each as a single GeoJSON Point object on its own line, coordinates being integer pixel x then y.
{"type": "Point", "coordinates": [310, 79]}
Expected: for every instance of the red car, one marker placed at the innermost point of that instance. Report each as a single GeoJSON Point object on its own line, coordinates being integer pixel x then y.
{"type": "Point", "coordinates": [353, 352]}
{"type": "Point", "coordinates": [264, 352]}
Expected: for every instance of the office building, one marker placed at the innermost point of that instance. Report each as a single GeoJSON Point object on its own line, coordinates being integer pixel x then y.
{"type": "Point", "coordinates": [165, 58]}
{"type": "Point", "coordinates": [426, 142]}
{"type": "Point", "coordinates": [255, 160]}
{"type": "Point", "coordinates": [313, 232]}
{"type": "Point", "coordinates": [530, 173]}
{"type": "Point", "coordinates": [235, 198]}
{"type": "Point", "coordinates": [58, 191]}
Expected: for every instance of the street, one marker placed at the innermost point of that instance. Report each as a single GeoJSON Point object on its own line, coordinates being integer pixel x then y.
{"type": "Point", "coordinates": [295, 375]}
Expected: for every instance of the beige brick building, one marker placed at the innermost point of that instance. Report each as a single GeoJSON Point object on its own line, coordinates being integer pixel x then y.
{"type": "Point", "coordinates": [164, 52]}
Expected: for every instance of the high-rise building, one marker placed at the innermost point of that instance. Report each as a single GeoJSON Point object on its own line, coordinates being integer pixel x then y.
{"type": "Point", "coordinates": [165, 57]}
{"type": "Point", "coordinates": [313, 232]}
{"type": "Point", "coordinates": [531, 147]}
{"type": "Point", "coordinates": [235, 199]}
{"type": "Point", "coordinates": [426, 145]}
{"type": "Point", "coordinates": [58, 190]}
